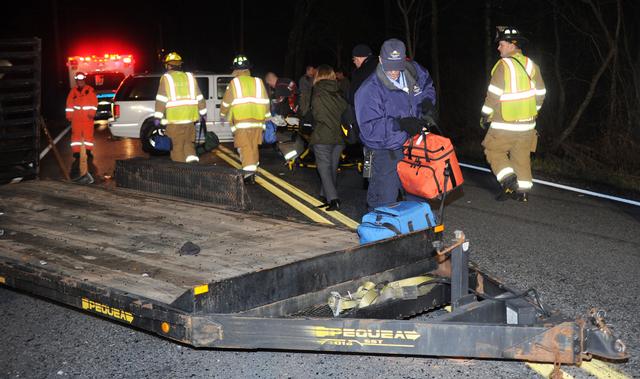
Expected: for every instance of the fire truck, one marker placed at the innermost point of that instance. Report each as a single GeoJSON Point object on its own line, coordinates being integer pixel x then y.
{"type": "Point", "coordinates": [104, 73]}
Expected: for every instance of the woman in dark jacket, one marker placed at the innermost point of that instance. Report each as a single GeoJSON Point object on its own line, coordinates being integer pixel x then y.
{"type": "Point", "coordinates": [327, 105]}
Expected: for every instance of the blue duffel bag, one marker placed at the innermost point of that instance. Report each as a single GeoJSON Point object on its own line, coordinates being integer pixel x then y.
{"type": "Point", "coordinates": [269, 134]}
{"type": "Point", "coordinates": [395, 219]}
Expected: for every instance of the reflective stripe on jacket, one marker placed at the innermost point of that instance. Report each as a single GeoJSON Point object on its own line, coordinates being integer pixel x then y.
{"type": "Point", "coordinates": [515, 94]}
{"type": "Point", "coordinates": [245, 103]}
{"type": "Point", "coordinates": [179, 100]}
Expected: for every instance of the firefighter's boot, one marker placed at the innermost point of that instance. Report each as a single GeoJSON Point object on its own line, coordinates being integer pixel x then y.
{"type": "Point", "coordinates": [522, 197]}
{"type": "Point", "coordinates": [509, 187]}
{"type": "Point", "coordinates": [91, 167]}
{"type": "Point", "coordinates": [75, 166]}
{"type": "Point", "coordinates": [249, 178]}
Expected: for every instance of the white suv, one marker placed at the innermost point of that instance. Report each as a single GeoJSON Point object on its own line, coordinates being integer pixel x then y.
{"type": "Point", "coordinates": [134, 105]}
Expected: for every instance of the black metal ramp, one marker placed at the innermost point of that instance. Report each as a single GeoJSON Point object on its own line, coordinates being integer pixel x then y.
{"type": "Point", "coordinates": [203, 182]}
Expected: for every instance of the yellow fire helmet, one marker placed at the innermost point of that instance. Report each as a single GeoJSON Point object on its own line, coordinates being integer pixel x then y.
{"type": "Point", "coordinates": [173, 58]}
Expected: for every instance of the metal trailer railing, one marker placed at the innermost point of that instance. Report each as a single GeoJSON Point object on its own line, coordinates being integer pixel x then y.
{"type": "Point", "coordinates": [20, 102]}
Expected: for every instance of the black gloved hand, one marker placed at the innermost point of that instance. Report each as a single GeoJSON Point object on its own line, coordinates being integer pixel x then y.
{"type": "Point", "coordinates": [428, 112]}
{"type": "Point", "coordinates": [484, 122]}
{"type": "Point", "coordinates": [411, 125]}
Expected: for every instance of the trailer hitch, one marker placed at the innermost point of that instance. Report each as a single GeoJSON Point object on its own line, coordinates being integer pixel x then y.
{"type": "Point", "coordinates": [598, 339]}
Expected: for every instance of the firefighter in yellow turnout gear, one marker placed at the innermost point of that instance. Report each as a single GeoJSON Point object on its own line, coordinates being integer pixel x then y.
{"type": "Point", "coordinates": [179, 104]}
{"type": "Point", "coordinates": [514, 97]}
{"type": "Point", "coordinates": [246, 106]}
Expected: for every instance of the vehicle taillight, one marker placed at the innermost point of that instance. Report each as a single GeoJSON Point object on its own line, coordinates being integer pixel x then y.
{"type": "Point", "coordinates": [116, 111]}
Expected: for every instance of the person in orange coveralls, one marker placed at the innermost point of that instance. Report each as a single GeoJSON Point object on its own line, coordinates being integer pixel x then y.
{"type": "Point", "coordinates": [82, 104]}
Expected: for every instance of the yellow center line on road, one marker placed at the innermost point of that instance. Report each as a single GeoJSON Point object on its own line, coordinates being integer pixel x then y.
{"type": "Point", "coordinates": [300, 193]}
{"type": "Point", "coordinates": [601, 370]}
{"type": "Point", "coordinates": [279, 193]}
{"type": "Point", "coordinates": [545, 370]}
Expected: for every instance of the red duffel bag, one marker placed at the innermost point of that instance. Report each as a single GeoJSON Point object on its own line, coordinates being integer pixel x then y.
{"type": "Point", "coordinates": [423, 169]}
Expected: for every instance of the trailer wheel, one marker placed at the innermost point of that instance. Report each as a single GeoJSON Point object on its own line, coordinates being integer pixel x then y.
{"type": "Point", "coordinates": [147, 130]}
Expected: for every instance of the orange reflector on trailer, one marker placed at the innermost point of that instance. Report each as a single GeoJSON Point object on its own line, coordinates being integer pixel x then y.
{"type": "Point", "coordinates": [165, 327]}
{"type": "Point", "coordinates": [439, 228]}
{"type": "Point", "coordinates": [2, 280]}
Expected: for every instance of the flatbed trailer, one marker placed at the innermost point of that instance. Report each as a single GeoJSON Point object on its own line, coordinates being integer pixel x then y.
{"type": "Point", "coordinates": [261, 282]}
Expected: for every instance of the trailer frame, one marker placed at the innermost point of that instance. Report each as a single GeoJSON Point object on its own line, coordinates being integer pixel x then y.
{"type": "Point", "coordinates": [488, 320]}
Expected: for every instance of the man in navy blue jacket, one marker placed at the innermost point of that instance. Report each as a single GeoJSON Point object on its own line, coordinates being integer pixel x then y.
{"type": "Point", "coordinates": [390, 107]}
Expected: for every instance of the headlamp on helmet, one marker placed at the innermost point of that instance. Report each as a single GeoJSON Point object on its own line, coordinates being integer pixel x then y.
{"type": "Point", "coordinates": [80, 76]}
{"type": "Point", "coordinates": [509, 34]}
{"type": "Point", "coordinates": [241, 62]}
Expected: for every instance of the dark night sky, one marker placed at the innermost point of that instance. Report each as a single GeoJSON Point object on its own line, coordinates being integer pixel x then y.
{"type": "Point", "coordinates": [207, 35]}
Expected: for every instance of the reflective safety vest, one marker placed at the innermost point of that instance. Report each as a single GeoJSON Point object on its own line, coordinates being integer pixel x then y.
{"type": "Point", "coordinates": [518, 98]}
{"type": "Point", "coordinates": [245, 103]}
{"type": "Point", "coordinates": [180, 94]}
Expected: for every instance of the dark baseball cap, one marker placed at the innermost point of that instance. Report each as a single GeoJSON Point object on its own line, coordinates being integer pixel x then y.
{"type": "Point", "coordinates": [393, 55]}
{"type": "Point", "coordinates": [361, 50]}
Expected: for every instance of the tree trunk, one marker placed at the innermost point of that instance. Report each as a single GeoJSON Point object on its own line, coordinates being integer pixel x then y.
{"type": "Point", "coordinates": [435, 62]}
{"type": "Point", "coordinates": [405, 9]}
{"type": "Point", "coordinates": [562, 95]}
{"type": "Point", "coordinates": [294, 60]}
{"type": "Point", "coordinates": [387, 18]}
{"type": "Point", "coordinates": [612, 42]}
{"type": "Point", "coordinates": [489, 53]}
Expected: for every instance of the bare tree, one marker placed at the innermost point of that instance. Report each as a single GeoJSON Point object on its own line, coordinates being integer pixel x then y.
{"type": "Point", "coordinates": [612, 41]}
{"type": "Point", "coordinates": [489, 54]}
{"type": "Point", "coordinates": [294, 60]}
{"type": "Point", "coordinates": [435, 61]}
{"type": "Point", "coordinates": [412, 16]}
{"type": "Point", "coordinates": [561, 92]}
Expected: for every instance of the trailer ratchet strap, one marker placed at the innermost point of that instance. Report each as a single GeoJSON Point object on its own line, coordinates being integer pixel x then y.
{"type": "Point", "coordinates": [369, 293]}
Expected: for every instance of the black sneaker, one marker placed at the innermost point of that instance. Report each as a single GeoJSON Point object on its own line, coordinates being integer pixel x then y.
{"type": "Point", "coordinates": [334, 205]}
{"type": "Point", "coordinates": [324, 202]}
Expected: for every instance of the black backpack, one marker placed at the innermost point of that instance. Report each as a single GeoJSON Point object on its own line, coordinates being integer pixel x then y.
{"type": "Point", "coordinates": [349, 125]}
{"type": "Point", "coordinates": [211, 141]}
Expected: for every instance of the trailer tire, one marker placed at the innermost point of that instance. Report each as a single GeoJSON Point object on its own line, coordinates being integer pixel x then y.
{"type": "Point", "coordinates": [146, 131]}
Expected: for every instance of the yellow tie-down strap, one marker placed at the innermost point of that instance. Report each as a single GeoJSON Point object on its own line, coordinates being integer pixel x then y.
{"type": "Point", "coordinates": [370, 293]}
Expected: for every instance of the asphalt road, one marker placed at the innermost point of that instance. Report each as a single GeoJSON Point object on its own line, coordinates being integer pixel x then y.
{"type": "Point", "coordinates": [578, 252]}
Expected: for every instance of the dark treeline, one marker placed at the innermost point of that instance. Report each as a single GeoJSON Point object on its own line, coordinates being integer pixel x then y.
{"type": "Point", "coordinates": [587, 50]}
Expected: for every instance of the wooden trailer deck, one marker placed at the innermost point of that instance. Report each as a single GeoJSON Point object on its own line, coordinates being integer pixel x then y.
{"type": "Point", "coordinates": [129, 241]}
